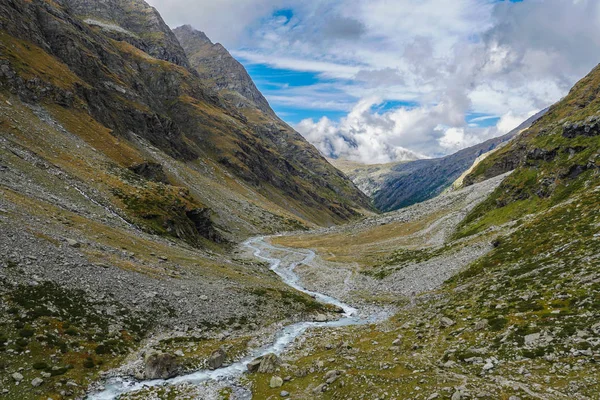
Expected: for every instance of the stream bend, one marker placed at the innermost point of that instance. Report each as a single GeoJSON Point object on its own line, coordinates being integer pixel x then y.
{"type": "Point", "coordinates": [115, 387]}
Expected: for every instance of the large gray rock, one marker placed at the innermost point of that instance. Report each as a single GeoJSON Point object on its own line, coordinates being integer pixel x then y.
{"type": "Point", "coordinates": [254, 365]}
{"type": "Point", "coordinates": [269, 364]}
{"type": "Point", "coordinates": [217, 358]}
{"type": "Point", "coordinates": [158, 365]}
{"type": "Point", "coordinates": [37, 382]}
{"type": "Point", "coordinates": [266, 364]}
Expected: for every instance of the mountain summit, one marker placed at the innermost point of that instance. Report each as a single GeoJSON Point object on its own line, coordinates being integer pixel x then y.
{"type": "Point", "coordinates": [220, 70]}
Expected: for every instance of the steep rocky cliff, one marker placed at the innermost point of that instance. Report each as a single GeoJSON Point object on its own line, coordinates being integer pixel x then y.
{"type": "Point", "coordinates": [218, 68]}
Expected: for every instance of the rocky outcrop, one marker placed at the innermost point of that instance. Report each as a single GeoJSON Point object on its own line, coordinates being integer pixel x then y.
{"type": "Point", "coordinates": [132, 21]}
{"type": "Point", "coordinates": [151, 171]}
{"type": "Point", "coordinates": [219, 69]}
{"type": "Point", "coordinates": [589, 127]}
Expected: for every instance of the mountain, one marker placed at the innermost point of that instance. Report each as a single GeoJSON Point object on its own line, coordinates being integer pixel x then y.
{"type": "Point", "coordinates": [369, 178]}
{"type": "Point", "coordinates": [407, 183]}
{"type": "Point", "coordinates": [117, 62]}
{"type": "Point", "coordinates": [220, 70]}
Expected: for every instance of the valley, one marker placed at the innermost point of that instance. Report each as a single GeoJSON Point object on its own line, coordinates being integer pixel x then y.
{"type": "Point", "coordinates": [164, 234]}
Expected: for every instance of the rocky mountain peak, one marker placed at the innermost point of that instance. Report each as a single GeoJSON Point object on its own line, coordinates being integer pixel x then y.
{"type": "Point", "coordinates": [219, 69]}
{"type": "Point", "coordinates": [133, 21]}
{"type": "Point", "coordinates": [188, 31]}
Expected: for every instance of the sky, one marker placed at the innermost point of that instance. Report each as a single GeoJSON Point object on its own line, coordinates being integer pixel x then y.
{"type": "Point", "coordinates": [379, 81]}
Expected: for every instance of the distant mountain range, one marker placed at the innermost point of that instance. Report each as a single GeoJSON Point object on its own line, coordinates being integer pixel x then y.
{"type": "Point", "coordinates": [396, 185]}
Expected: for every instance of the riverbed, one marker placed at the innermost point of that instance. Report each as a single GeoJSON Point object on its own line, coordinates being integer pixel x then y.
{"type": "Point", "coordinates": [263, 250]}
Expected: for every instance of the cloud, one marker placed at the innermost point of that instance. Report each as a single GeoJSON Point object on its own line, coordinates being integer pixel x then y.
{"type": "Point", "coordinates": [364, 135]}
{"type": "Point", "coordinates": [505, 60]}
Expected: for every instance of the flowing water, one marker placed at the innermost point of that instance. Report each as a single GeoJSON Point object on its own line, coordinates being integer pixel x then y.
{"type": "Point", "coordinates": [118, 386]}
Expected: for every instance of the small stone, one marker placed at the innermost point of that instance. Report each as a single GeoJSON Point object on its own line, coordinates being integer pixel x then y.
{"type": "Point", "coordinates": [73, 243]}
{"type": "Point", "coordinates": [488, 366]}
{"type": "Point", "coordinates": [481, 325]}
{"type": "Point", "coordinates": [17, 377]}
{"type": "Point", "coordinates": [179, 353]}
{"type": "Point", "coordinates": [449, 364]}
{"type": "Point", "coordinates": [37, 382]}
{"type": "Point", "coordinates": [204, 297]}
{"type": "Point", "coordinates": [446, 322]}
{"type": "Point", "coordinates": [456, 396]}
{"type": "Point", "coordinates": [396, 342]}
{"type": "Point", "coordinates": [320, 389]}
{"type": "Point", "coordinates": [433, 396]}
{"type": "Point", "coordinates": [284, 393]}
{"type": "Point", "coordinates": [321, 318]}
{"type": "Point", "coordinates": [276, 382]}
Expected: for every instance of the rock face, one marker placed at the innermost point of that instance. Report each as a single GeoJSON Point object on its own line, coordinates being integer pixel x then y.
{"type": "Point", "coordinates": [135, 22]}
{"type": "Point", "coordinates": [219, 69]}
{"type": "Point", "coordinates": [159, 365]}
{"type": "Point", "coordinates": [151, 171]}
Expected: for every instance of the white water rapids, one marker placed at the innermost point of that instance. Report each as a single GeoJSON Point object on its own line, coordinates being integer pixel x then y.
{"type": "Point", "coordinates": [118, 386]}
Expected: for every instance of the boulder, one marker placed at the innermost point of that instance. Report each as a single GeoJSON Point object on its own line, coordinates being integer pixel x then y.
{"type": "Point", "coordinates": [254, 365]}
{"type": "Point", "coordinates": [531, 339]}
{"type": "Point", "coordinates": [73, 243]}
{"type": "Point", "coordinates": [481, 325]}
{"type": "Point", "coordinates": [320, 389]}
{"type": "Point", "coordinates": [268, 364]}
{"type": "Point", "coordinates": [331, 376]}
{"type": "Point", "coordinates": [158, 365]}
{"type": "Point", "coordinates": [276, 382]}
{"type": "Point", "coordinates": [217, 358]}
